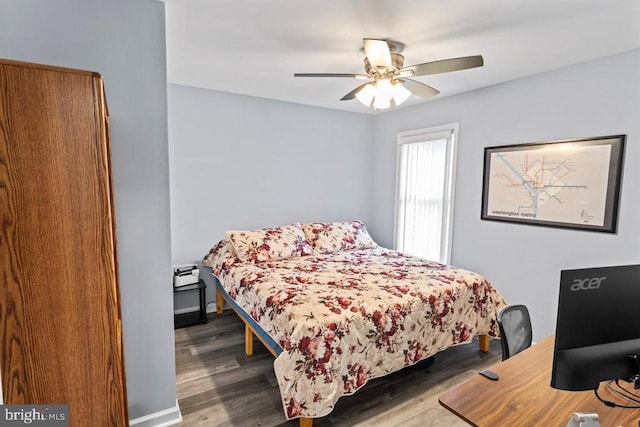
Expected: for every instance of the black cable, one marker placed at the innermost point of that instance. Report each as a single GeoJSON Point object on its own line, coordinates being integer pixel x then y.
{"type": "Point", "coordinates": [620, 393]}
{"type": "Point", "coordinates": [613, 404]}
{"type": "Point", "coordinates": [623, 391]}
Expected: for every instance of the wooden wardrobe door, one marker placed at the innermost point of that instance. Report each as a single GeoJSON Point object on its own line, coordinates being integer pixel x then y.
{"type": "Point", "coordinates": [60, 322]}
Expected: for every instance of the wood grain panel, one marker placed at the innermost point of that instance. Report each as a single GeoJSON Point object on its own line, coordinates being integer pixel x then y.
{"type": "Point", "coordinates": [59, 304]}
{"type": "Point", "coordinates": [523, 396]}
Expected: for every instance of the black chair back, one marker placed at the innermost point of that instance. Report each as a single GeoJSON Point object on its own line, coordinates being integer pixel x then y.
{"type": "Point", "coordinates": [515, 330]}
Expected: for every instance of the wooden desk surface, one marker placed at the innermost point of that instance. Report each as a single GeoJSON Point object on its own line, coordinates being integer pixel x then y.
{"type": "Point", "coordinates": [523, 396]}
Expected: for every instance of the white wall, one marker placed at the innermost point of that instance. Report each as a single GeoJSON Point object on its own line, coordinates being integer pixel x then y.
{"type": "Point", "coordinates": [592, 99]}
{"type": "Point", "coordinates": [124, 41]}
{"type": "Point", "coordinates": [240, 162]}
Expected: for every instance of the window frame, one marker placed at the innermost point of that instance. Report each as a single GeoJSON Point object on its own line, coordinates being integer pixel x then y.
{"type": "Point", "coordinates": [449, 132]}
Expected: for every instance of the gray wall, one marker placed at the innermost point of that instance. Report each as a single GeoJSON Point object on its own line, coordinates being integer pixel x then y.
{"type": "Point", "coordinates": [592, 99]}
{"type": "Point", "coordinates": [220, 145]}
{"type": "Point", "coordinates": [240, 162]}
{"type": "Point", "coordinates": [125, 41]}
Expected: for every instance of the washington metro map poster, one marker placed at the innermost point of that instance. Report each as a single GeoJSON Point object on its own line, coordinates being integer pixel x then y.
{"type": "Point", "coordinates": [569, 183]}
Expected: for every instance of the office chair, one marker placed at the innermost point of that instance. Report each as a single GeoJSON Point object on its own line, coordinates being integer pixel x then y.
{"type": "Point", "coordinates": [515, 330]}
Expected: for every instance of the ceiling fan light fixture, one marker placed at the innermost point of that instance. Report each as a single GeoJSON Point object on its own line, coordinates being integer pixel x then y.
{"type": "Point", "coordinates": [384, 65]}
{"type": "Point", "coordinates": [381, 103]}
{"type": "Point", "coordinates": [400, 93]}
{"type": "Point", "coordinates": [365, 96]}
{"type": "Point", "coordinates": [384, 87]}
{"type": "Point", "coordinates": [383, 95]}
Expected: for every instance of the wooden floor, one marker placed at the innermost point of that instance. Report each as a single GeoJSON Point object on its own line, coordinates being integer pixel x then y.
{"type": "Point", "coordinates": [218, 385]}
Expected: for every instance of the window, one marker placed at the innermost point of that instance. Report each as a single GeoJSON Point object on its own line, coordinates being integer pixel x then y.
{"type": "Point", "coordinates": [426, 161]}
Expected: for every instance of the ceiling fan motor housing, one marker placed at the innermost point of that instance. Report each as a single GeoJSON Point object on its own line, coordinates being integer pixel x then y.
{"type": "Point", "coordinates": [397, 60]}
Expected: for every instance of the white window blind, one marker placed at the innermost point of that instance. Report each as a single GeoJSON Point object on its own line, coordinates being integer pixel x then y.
{"type": "Point", "coordinates": [424, 192]}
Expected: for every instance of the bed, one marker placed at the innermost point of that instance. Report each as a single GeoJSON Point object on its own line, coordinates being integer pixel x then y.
{"type": "Point", "coordinates": [336, 309]}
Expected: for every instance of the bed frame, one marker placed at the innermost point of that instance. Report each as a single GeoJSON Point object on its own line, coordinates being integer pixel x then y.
{"type": "Point", "coordinates": [252, 329]}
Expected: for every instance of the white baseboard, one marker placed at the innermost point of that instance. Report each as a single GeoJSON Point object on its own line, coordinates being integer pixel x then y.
{"type": "Point", "coordinates": [164, 418]}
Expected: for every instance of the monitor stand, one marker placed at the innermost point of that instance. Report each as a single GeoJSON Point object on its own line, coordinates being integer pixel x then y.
{"type": "Point", "coordinates": [579, 419]}
{"type": "Point", "coordinates": [636, 379]}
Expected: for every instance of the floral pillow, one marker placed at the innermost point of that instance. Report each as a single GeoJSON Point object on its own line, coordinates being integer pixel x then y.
{"type": "Point", "coordinates": [221, 257]}
{"type": "Point", "coordinates": [329, 237]}
{"type": "Point", "coordinates": [270, 244]}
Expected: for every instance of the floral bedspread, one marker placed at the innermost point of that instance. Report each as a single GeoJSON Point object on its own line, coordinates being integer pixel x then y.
{"type": "Point", "coordinates": [348, 317]}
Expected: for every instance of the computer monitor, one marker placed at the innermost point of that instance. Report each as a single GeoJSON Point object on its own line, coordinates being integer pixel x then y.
{"type": "Point", "coordinates": [598, 327]}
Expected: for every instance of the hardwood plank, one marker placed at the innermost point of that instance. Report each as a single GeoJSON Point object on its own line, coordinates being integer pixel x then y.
{"type": "Point", "coordinates": [213, 390]}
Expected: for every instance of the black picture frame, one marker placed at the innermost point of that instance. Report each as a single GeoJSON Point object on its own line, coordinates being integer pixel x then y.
{"type": "Point", "coordinates": [572, 183]}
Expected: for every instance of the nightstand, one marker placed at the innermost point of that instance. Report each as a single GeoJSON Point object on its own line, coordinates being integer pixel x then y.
{"type": "Point", "coordinates": [194, 317]}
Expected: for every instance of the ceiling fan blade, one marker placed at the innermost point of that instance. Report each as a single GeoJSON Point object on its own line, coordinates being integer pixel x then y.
{"type": "Point", "coordinates": [419, 89]}
{"type": "Point", "coordinates": [353, 93]}
{"type": "Point", "coordinates": [445, 65]}
{"type": "Point", "coordinates": [354, 76]}
{"type": "Point", "coordinates": [378, 53]}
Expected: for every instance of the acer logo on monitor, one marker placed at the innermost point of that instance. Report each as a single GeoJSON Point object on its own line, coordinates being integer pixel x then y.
{"type": "Point", "coordinates": [586, 284]}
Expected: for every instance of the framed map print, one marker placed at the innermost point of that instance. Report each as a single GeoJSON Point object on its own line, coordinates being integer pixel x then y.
{"type": "Point", "coordinates": [570, 183]}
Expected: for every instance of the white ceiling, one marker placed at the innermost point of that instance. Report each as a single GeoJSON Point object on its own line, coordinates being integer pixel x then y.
{"type": "Point", "coordinates": [254, 47]}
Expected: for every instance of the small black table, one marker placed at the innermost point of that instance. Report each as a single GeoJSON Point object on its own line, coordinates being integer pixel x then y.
{"type": "Point", "coordinates": [193, 317]}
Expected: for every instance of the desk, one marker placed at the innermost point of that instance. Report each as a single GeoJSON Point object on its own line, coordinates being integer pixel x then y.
{"type": "Point", "coordinates": [523, 396]}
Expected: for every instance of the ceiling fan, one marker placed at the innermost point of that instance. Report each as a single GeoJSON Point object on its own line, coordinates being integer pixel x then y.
{"type": "Point", "coordinates": [384, 64]}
